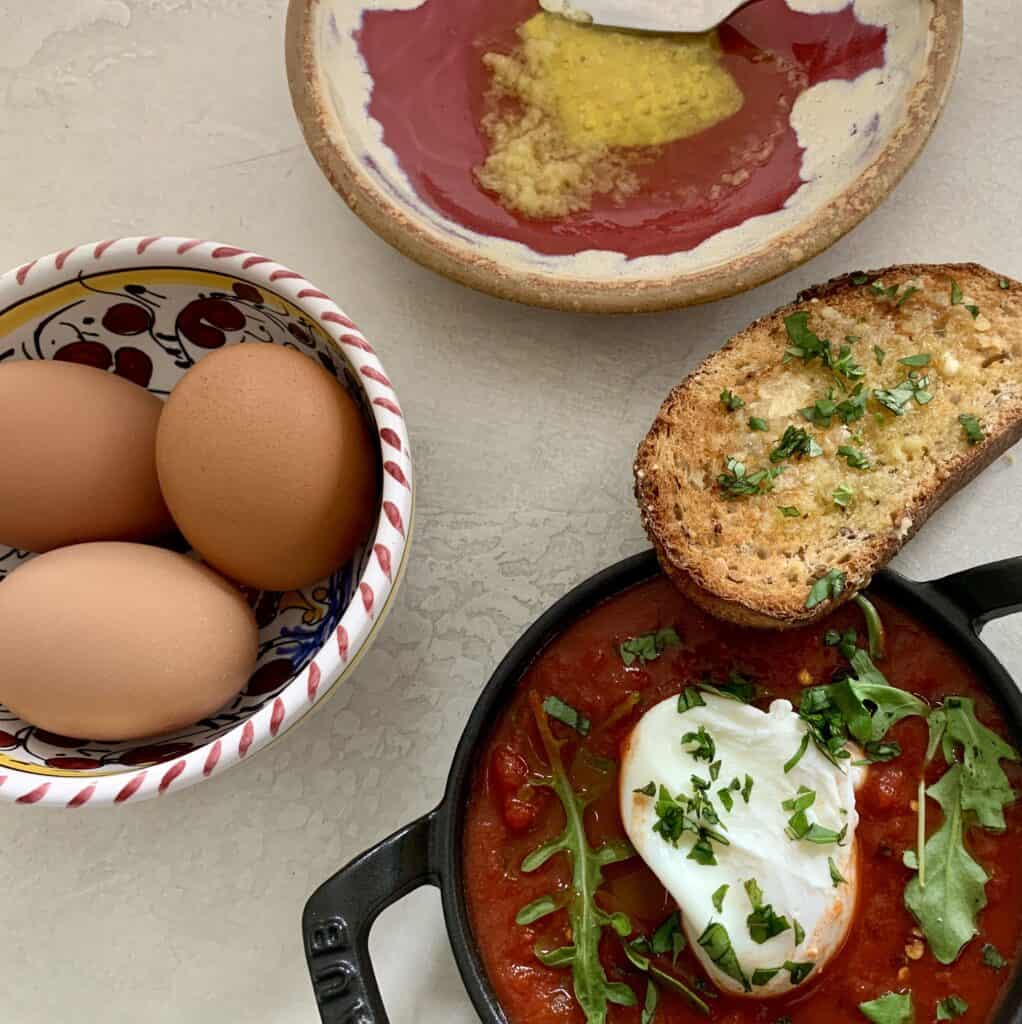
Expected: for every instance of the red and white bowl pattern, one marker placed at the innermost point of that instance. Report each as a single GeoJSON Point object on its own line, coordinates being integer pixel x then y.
{"type": "Point", "coordinates": [147, 309]}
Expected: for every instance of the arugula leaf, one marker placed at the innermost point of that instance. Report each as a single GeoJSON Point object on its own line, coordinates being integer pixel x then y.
{"type": "Point", "coordinates": [567, 715]}
{"type": "Point", "coordinates": [690, 698]}
{"type": "Point", "coordinates": [757, 423]}
{"type": "Point", "coordinates": [671, 982]}
{"type": "Point", "coordinates": [648, 646]}
{"type": "Point", "coordinates": [828, 587]}
{"type": "Point", "coordinates": [985, 787]}
{"type": "Point", "coordinates": [593, 991]}
{"type": "Point", "coordinates": [737, 482]}
{"type": "Point", "coordinates": [992, 958]}
{"type": "Point", "coordinates": [537, 909]}
{"type": "Point", "coordinates": [951, 1007]}
{"type": "Point", "coordinates": [874, 626]}
{"type": "Point", "coordinates": [892, 1008]}
{"type": "Point", "coordinates": [971, 427]}
{"type": "Point", "coordinates": [669, 939]}
{"type": "Point", "coordinates": [717, 943]}
{"type": "Point", "coordinates": [954, 892]}
{"type": "Point", "coordinates": [649, 1006]}
{"type": "Point", "coordinates": [763, 923]}
{"type": "Point", "coordinates": [718, 898]}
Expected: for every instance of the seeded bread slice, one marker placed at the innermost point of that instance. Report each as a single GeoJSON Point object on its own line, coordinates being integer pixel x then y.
{"type": "Point", "coordinates": [749, 547]}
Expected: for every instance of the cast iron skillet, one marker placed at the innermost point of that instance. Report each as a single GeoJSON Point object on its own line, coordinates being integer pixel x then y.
{"type": "Point", "coordinates": [339, 915]}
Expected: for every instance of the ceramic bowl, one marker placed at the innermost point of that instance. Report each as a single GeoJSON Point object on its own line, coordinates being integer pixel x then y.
{"type": "Point", "coordinates": [870, 78]}
{"type": "Point", "coordinates": [147, 309]}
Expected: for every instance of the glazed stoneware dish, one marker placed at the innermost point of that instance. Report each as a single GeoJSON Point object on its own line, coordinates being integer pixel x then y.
{"type": "Point", "coordinates": [147, 309]}
{"type": "Point", "coordinates": [606, 172]}
{"type": "Point", "coordinates": [537, 942]}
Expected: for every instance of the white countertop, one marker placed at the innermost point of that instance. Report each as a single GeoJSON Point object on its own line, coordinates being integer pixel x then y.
{"type": "Point", "coordinates": [123, 117]}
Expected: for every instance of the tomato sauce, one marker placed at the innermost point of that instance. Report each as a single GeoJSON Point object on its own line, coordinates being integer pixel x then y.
{"type": "Point", "coordinates": [429, 85]}
{"type": "Point", "coordinates": [507, 819]}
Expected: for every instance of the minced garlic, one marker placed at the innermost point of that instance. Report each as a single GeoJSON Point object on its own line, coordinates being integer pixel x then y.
{"type": "Point", "coordinates": [588, 105]}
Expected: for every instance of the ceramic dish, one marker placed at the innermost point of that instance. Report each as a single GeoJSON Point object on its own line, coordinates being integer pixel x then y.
{"type": "Point", "coordinates": [390, 93]}
{"type": "Point", "coordinates": [433, 849]}
{"type": "Point", "coordinates": [147, 309]}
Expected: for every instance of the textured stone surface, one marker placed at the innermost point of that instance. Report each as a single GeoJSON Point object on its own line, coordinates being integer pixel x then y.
{"type": "Point", "coordinates": [139, 116]}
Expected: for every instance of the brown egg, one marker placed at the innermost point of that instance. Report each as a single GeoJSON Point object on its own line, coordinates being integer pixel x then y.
{"type": "Point", "coordinates": [267, 466]}
{"type": "Point", "coordinates": [113, 641]}
{"type": "Point", "coordinates": [78, 458]}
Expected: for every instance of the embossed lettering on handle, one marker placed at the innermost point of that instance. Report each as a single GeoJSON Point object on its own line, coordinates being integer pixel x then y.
{"type": "Point", "coordinates": [341, 912]}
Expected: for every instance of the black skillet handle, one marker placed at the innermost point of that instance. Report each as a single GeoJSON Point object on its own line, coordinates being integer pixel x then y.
{"type": "Point", "coordinates": [984, 593]}
{"type": "Point", "coordinates": [340, 913]}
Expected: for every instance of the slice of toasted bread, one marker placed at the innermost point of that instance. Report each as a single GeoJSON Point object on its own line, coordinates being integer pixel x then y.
{"type": "Point", "coordinates": [748, 543]}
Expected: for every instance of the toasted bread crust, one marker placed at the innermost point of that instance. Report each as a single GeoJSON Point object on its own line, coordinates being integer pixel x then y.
{"type": "Point", "coordinates": [705, 542]}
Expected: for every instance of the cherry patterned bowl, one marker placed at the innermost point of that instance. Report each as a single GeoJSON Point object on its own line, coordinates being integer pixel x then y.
{"type": "Point", "coordinates": [147, 309]}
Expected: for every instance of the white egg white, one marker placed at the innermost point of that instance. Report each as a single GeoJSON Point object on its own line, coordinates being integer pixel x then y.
{"type": "Point", "coordinates": [794, 875]}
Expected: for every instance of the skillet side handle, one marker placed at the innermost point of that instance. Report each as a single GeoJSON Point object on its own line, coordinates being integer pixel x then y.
{"type": "Point", "coordinates": [984, 593]}
{"type": "Point", "coordinates": [340, 913]}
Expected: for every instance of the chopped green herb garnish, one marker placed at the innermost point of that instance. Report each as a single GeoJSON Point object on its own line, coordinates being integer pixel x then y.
{"type": "Point", "coordinates": [695, 814]}
{"type": "Point", "coordinates": [567, 715]}
{"type": "Point", "coordinates": [807, 346]}
{"type": "Point", "coordinates": [763, 975]}
{"type": "Point", "coordinates": [758, 423]}
{"type": "Point", "coordinates": [798, 972]}
{"type": "Point", "coordinates": [892, 1008]}
{"type": "Point", "coordinates": [730, 400]}
{"type": "Point", "coordinates": [828, 587]}
{"type": "Point", "coordinates": [669, 939]}
{"type": "Point", "coordinates": [992, 958]}
{"type": "Point", "coordinates": [971, 426]}
{"type": "Point", "coordinates": [795, 442]}
{"type": "Point", "coordinates": [846, 641]}
{"type": "Point", "coordinates": [859, 279]}
{"type": "Point", "coordinates": [906, 295]}
{"type": "Point", "coordinates": [718, 898]}
{"type": "Point", "coordinates": [843, 496]}
{"type": "Point", "coordinates": [897, 399]}
{"type": "Point", "coordinates": [690, 698]}
{"type": "Point", "coordinates": [951, 1007]}
{"type": "Point", "coordinates": [737, 687]}
{"type": "Point", "coordinates": [789, 512]}
{"type": "Point", "coordinates": [879, 354]}
{"type": "Point", "coordinates": [852, 338]}
{"type": "Point", "coordinates": [648, 790]}
{"type": "Point", "coordinates": [835, 876]}
{"type": "Point", "coordinates": [737, 482]}
{"type": "Point", "coordinates": [705, 749]}
{"type": "Point", "coordinates": [648, 646]}
{"type": "Point", "coordinates": [798, 755]}
{"type": "Point", "coordinates": [821, 412]}
{"type": "Point", "coordinates": [717, 943]}
{"type": "Point", "coordinates": [715, 771]}
{"type": "Point", "coordinates": [922, 359]}
{"type": "Point", "coordinates": [800, 934]}
{"type": "Point", "coordinates": [855, 458]}
{"type": "Point", "coordinates": [725, 797]}
{"type": "Point", "coordinates": [747, 788]}
{"type": "Point", "coordinates": [802, 801]}
{"type": "Point", "coordinates": [799, 827]}
{"type": "Point", "coordinates": [957, 298]}
{"type": "Point", "coordinates": [880, 751]}
{"type": "Point", "coordinates": [763, 923]}
{"type": "Point", "coordinates": [1002, 283]}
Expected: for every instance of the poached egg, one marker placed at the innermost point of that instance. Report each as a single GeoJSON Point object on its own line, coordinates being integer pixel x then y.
{"type": "Point", "coordinates": [788, 901]}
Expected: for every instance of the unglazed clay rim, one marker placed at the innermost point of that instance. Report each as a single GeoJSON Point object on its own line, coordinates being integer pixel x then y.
{"type": "Point", "coordinates": [376, 586]}
{"type": "Point", "coordinates": [461, 262]}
